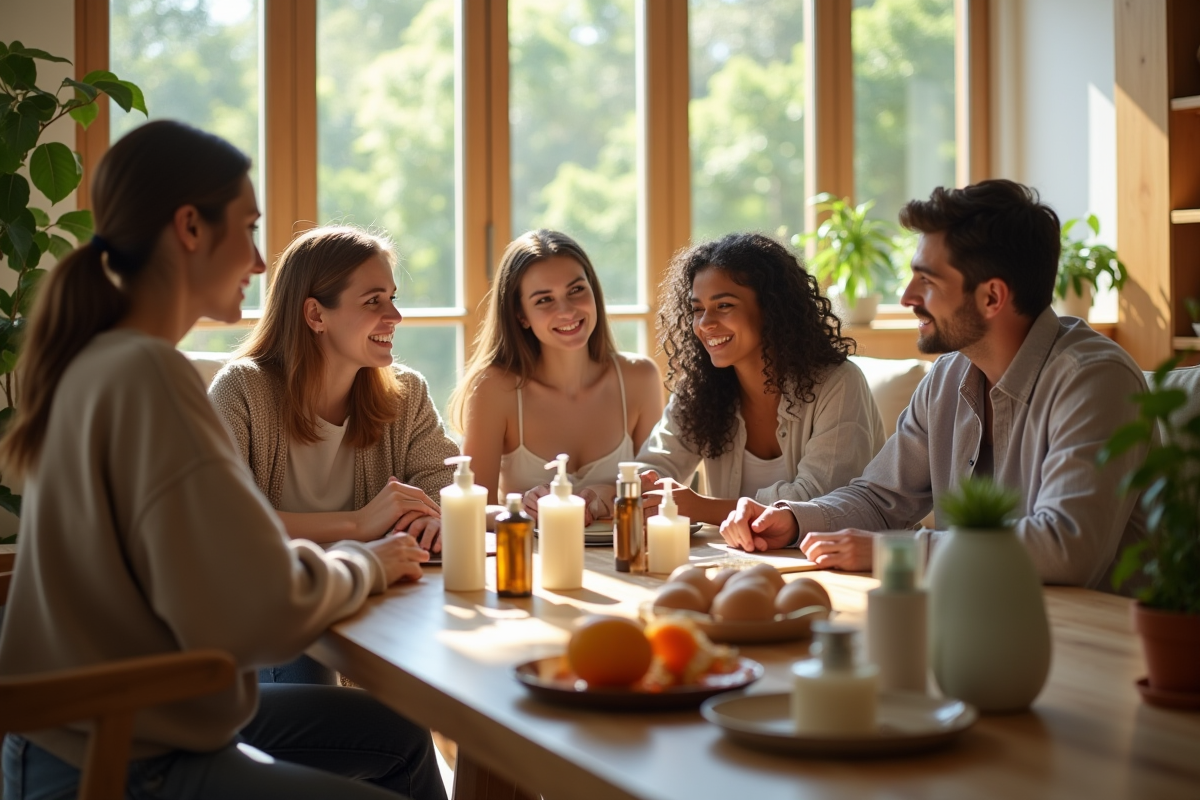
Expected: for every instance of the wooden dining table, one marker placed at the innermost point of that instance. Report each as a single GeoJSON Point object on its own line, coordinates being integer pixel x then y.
{"type": "Point", "coordinates": [446, 659]}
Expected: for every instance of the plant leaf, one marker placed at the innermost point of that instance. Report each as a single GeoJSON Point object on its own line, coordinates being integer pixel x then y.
{"type": "Point", "coordinates": [19, 237]}
{"type": "Point", "coordinates": [77, 223]}
{"type": "Point", "coordinates": [20, 133]}
{"type": "Point", "coordinates": [41, 107]}
{"type": "Point", "coordinates": [86, 89]}
{"type": "Point", "coordinates": [12, 503]}
{"type": "Point", "coordinates": [139, 99]}
{"type": "Point", "coordinates": [29, 286]}
{"type": "Point", "coordinates": [1129, 564]}
{"type": "Point", "coordinates": [33, 52]}
{"type": "Point", "coordinates": [85, 115]}
{"type": "Point", "coordinates": [98, 75]}
{"type": "Point", "coordinates": [117, 91]}
{"type": "Point", "coordinates": [14, 196]}
{"type": "Point", "coordinates": [6, 307]}
{"type": "Point", "coordinates": [8, 361]}
{"type": "Point", "coordinates": [40, 218]}
{"type": "Point", "coordinates": [59, 247]}
{"type": "Point", "coordinates": [22, 70]}
{"type": "Point", "coordinates": [1123, 438]}
{"type": "Point", "coordinates": [54, 170]}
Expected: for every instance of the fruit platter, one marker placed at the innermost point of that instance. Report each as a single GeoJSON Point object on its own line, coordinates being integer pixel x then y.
{"type": "Point", "coordinates": [618, 664]}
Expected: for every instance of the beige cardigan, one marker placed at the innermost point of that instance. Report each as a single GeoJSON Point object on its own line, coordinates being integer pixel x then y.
{"type": "Point", "coordinates": [413, 447]}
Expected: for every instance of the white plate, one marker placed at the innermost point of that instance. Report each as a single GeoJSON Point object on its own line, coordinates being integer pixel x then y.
{"type": "Point", "coordinates": [908, 722]}
{"type": "Point", "coordinates": [600, 534]}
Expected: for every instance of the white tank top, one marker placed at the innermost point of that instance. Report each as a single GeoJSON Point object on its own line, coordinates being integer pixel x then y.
{"type": "Point", "coordinates": [759, 473]}
{"type": "Point", "coordinates": [522, 469]}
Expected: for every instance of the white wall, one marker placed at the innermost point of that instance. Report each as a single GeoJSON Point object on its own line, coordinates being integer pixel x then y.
{"type": "Point", "coordinates": [47, 25]}
{"type": "Point", "coordinates": [1053, 120]}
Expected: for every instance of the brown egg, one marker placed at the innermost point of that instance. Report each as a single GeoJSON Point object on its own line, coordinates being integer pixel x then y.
{"type": "Point", "coordinates": [745, 601]}
{"type": "Point", "coordinates": [816, 586]}
{"type": "Point", "coordinates": [721, 576]}
{"type": "Point", "coordinates": [797, 595]}
{"type": "Point", "coordinates": [762, 572]}
{"type": "Point", "coordinates": [681, 596]}
{"type": "Point", "coordinates": [696, 577]}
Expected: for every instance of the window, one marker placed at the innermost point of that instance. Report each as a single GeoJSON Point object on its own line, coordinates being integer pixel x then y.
{"type": "Point", "coordinates": [196, 62]}
{"type": "Point", "coordinates": [385, 159]}
{"type": "Point", "coordinates": [746, 116]}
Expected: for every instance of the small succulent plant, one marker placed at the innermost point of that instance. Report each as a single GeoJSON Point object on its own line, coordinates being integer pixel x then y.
{"type": "Point", "coordinates": [980, 503]}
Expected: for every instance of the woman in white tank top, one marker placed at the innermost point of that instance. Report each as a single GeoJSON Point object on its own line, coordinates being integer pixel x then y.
{"type": "Point", "coordinates": [545, 378]}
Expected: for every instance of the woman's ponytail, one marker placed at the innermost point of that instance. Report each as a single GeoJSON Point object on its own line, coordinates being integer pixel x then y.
{"type": "Point", "coordinates": [139, 184]}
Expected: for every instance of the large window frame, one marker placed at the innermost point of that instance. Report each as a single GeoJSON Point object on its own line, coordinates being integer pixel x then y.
{"type": "Point", "coordinates": [483, 187]}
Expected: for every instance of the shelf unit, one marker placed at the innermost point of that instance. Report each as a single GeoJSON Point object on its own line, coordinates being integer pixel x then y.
{"type": "Point", "coordinates": [1158, 173]}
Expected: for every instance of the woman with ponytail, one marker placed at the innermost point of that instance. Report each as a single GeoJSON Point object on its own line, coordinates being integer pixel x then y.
{"type": "Point", "coordinates": [142, 532]}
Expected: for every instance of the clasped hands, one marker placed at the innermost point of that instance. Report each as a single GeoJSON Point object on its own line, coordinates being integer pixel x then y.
{"type": "Point", "coordinates": [598, 506]}
{"type": "Point", "coordinates": [400, 508]}
{"type": "Point", "coordinates": [754, 526]}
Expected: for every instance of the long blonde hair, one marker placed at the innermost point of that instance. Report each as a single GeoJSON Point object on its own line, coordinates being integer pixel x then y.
{"type": "Point", "coordinates": [502, 341]}
{"type": "Point", "coordinates": [139, 184]}
{"type": "Point", "coordinates": [319, 264]}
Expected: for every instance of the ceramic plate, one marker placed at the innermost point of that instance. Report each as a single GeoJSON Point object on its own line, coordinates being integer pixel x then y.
{"type": "Point", "coordinates": [550, 679]}
{"type": "Point", "coordinates": [784, 628]}
{"type": "Point", "coordinates": [908, 723]}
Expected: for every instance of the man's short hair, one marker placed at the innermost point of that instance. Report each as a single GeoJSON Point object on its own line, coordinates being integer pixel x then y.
{"type": "Point", "coordinates": [995, 229]}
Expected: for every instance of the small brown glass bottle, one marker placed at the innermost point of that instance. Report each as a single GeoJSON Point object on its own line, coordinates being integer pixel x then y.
{"type": "Point", "coordinates": [514, 550]}
{"type": "Point", "coordinates": [629, 535]}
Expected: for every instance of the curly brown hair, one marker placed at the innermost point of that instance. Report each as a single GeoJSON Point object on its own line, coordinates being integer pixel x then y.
{"type": "Point", "coordinates": [801, 337]}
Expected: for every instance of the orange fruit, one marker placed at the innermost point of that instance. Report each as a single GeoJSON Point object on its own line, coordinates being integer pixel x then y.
{"type": "Point", "coordinates": [673, 645]}
{"type": "Point", "coordinates": [609, 651]}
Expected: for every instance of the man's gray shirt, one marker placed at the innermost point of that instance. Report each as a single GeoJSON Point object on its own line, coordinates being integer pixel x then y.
{"type": "Point", "coordinates": [1065, 393]}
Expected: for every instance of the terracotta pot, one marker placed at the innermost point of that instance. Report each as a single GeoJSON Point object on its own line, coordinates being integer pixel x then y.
{"type": "Point", "coordinates": [1171, 642]}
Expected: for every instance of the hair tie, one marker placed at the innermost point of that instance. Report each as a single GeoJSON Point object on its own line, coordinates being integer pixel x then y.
{"type": "Point", "coordinates": [98, 244]}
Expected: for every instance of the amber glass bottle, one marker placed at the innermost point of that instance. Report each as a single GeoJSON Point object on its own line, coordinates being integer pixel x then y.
{"type": "Point", "coordinates": [514, 550]}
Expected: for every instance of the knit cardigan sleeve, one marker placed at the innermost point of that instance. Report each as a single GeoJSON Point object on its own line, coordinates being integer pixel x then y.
{"type": "Point", "coordinates": [247, 401]}
{"type": "Point", "coordinates": [415, 446]}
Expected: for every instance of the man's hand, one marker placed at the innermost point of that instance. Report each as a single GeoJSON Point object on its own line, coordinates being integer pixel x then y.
{"type": "Point", "coordinates": [401, 557]}
{"type": "Point", "coordinates": [850, 549]}
{"type": "Point", "coordinates": [753, 526]}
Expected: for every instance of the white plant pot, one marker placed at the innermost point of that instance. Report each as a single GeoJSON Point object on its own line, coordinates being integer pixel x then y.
{"type": "Point", "coordinates": [1075, 305]}
{"type": "Point", "coordinates": [861, 313]}
{"type": "Point", "coordinates": [989, 639]}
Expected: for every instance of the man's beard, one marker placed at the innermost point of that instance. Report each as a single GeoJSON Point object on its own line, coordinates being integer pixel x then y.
{"type": "Point", "coordinates": [963, 329]}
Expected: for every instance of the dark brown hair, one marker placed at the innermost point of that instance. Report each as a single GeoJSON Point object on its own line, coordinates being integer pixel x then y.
{"type": "Point", "coordinates": [319, 264]}
{"type": "Point", "coordinates": [502, 341]}
{"type": "Point", "coordinates": [801, 337]}
{"type": "Point", "coordinates": [139, 185]}
{"type": "Point", "coordinates": [995, 229]}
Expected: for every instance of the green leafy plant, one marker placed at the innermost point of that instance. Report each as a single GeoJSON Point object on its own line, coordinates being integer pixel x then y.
{"type": "Point", "coordinates": [980, 503]}
{"type": "Point", "coordinates": [854, 252]}
{"type": "Point", "coordinates": [1080, 262]}
{"type": "Point", "coordinates": [1169, 480]}
{"type": "Point", "coordinates": [1193, 308]}
{"type": "Point", "coordinates": [27, 232]}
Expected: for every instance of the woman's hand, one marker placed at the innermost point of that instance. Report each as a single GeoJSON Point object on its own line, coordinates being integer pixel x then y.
{"type": "Point", "coordinates": [389, 508]}
{"type": "Point", "coordinates": [599, 503]}
{"type": "Point", "coordinates": [531, 499]}
{"type": "Point", "coordinates": [654, 489]}
{"type": "Point", "coordinates": [400, 555]}
{"type": "Point", "coordinates": [426, 529]}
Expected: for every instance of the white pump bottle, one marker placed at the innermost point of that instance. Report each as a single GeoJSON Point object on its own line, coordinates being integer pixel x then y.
{"type": "Point", "coordinates": [560, 532]}
{"type": "Point", "coordinates": [464, 522]}
{"type": "Point", "coordinates": [667, 534]}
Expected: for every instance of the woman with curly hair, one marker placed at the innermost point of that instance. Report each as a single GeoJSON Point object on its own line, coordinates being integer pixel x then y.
{"type": "Point", "coordinates": [762, 391]}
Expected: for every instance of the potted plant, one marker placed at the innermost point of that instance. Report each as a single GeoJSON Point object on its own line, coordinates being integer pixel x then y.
{"type": "Point", "coordinates": [27, 231]}
{"type": "Point", "coordinates": [1167, 561]}
{"type": "Point", "coordinates": [1080, 266]}
{"type": "Point", "coordinates": [854, 256]}
{"type": "Point", "coordinates": [1193, 309]}
{"type": "Point", "coordinates": [989, 638]}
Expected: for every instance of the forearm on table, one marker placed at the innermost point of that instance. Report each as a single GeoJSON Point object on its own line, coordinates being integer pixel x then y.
{"type": "Point", "coordinates": [326, 527]}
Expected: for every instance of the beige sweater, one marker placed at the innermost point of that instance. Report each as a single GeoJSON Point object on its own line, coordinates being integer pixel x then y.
{"type": "Point", "coordinates": [414, 447]}
{"type": "Point", "coordinates": [143, 532]}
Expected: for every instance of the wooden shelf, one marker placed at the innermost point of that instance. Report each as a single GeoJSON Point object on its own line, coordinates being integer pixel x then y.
{"type": "Point", "coordinates": [1187, 342]}
{"type": "Point", "coordinates": [1182, 216]}
{"type": "Point", "coordinates": [1186, 103]}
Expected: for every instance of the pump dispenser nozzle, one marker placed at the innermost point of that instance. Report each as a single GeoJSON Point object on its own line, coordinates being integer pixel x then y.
{"type": "Point", "coordinates": [628, 471]}
{"type": "Point", "coordinates": [463, 477]}
{"type": "Point", "coordinates": [669, 509]}
{"type": "Point", "coordinates": [561, 485]}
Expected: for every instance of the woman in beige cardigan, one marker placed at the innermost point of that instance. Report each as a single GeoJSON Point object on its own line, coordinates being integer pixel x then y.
{"type": "Point", "coordinates": [344, 443]}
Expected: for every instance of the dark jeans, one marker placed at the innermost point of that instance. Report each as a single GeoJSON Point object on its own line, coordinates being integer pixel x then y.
{"type": "Point", "coordinates": [302, 670]}
{"type": "Point", "coordinates": [321, 735]}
